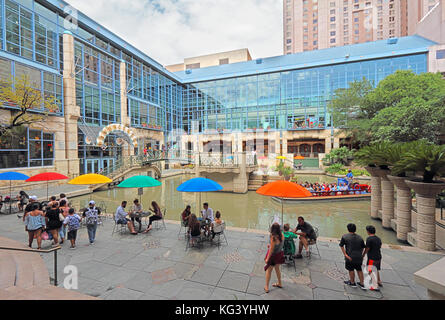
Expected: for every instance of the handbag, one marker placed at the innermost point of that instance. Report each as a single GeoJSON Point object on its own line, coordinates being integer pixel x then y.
{"type": "Point", "coordinates": [61, 217]}
{"type": "Point", "coordinates": [45, 235]}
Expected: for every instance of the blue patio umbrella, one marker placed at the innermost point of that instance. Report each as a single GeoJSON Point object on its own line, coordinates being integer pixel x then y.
{"type": "Point", "coordinates": [199, 185]}
{"type": "Point", "coordinates": [12, 176]}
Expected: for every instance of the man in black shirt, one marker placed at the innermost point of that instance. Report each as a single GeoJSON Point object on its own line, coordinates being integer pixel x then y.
{"type": "Point", "coordinates": [373, 246]}
{"type": "Point", "coordinates": [307, 234]}
{"type": "Point", "coordinates": [353, 255]}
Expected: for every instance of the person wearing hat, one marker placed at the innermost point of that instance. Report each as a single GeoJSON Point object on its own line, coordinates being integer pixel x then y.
{"type": "Point", "coordinates": [29, 206]}
{"type": "Point", "coordinates": [92, 215]}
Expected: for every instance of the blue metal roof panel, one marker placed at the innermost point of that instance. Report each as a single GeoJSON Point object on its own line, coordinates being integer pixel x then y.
{"type": "Point", "coordinates": [358, 52]}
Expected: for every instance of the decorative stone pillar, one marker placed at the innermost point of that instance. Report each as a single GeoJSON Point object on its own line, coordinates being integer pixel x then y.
{"type": "Point", "coordinates": [71, 110]}
{"type": "Point", "coordinates": [403, 209]}
{"type": "Point", "coordinates": [387, 199]}
{"type": "Point", "coordinates": [376, 192]}
{"type": "Point", "coordinates": [426, 212]}
{"type": "Point", "coordinates": [125, 118]}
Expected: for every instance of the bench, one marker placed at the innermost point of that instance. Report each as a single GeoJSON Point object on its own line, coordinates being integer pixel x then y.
{"type": "Point", "coordinates": [432, 277]}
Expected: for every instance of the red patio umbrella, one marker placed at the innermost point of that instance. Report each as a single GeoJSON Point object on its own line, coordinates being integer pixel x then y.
{"type": "Point", "coordinates": [47, 176]}
{"type": "Point", "coordinates": [284, 189]}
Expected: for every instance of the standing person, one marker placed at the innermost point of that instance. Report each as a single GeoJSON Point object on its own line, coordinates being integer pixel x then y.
{"type": "Point", "coordinates": [53, 223]}
{"type": "Point", "coordinates": [92, 216]}
{"type": "Point", "coordinates": [306, 235]}
{"type": "Point", "coordinates": [73, 222]}
{"type": "Point", "coordinates": [275, 256]}
{"type": "Point", "coordinates": [373, 250]}
{"type": "Point", "coordinates": [35, 223]}
{"type": "Point", "coordinates": [121, 218]}
{"type": "Point", "coordinates": [353, 255]}
{"type": "Point", "coordinates": [136, 213]}
{"type": "Point", "coordinates": [29, 207]}
{"type": "Point", "coordinates": [64, 211]}
{"type": "Point", "coordinates": [350, 177]}
{"type": "Point", "coordinates": [157, 215]}
{"type": "Point", "coordinates": [207, 217]}
{"type": "Point", "coordinates": [62, 196]}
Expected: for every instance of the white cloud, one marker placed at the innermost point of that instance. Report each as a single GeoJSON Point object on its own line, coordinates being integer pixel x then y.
{"type": "Point", "coordinates": [171, 30]}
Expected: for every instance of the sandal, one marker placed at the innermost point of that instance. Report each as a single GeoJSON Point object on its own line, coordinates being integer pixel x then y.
{"type": "Point", "coordinates": [266, 291]}
{"type": "Point", "coordinates": [276, 285]}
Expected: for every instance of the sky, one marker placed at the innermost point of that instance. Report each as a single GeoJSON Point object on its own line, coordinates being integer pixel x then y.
{"type": "Point", "coordinates": [171, 30]}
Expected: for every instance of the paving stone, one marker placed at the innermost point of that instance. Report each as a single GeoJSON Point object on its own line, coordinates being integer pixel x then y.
{"type": "Point", "coordinates": [116, 277]}
{"type": "Point", "coordinates": [323, 281]}
{"type": "Point", "coordinates": [140, 281]}
{"type": "Point", "coordinates": [227, 294]}
{"type": "Point", "coordinates": [364, 293]}
{"type": "Point", "coordinates": [208, 275]}
{"type": "Point", "coordinates": [122, 294]}
{"type": "Point", "coordinates": [194, 291]}
{"type": "Point", "coordinates": [391, 276]}
{"type": "Point", "coordinates": [234, 281]}
{"type": "Point", "coordinates": [395, 292]}
{"type": "Point", "coordinates": [119, 259]}
{"type": "Point", "coordinates": [243, 266]}
{"type": "Point", "coordinates": [163, 276]}
{"type": "Point", "coordinates": [326, 294]}
{"type": "Point", "coordinates": [139, 262]}
{"type": "Point", "coordinates": [159, 264]}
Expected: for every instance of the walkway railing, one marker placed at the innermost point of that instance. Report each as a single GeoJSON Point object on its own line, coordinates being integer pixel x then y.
{"type": "Point", "coordinates": [55, 249]}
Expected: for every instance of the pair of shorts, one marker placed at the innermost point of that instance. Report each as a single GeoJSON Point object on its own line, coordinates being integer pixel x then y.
{"type": "Point", "coordinates": [123, 221]}
{"type": "Point", "coordinates": [376, 263]}
{"type": "Point", "coordinates": [351, 266]}
{"type": "Point", "coordinates": [72, 235]}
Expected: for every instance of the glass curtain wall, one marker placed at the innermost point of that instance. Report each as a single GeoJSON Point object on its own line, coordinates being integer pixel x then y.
{"type": "Point", "coordinates": [291, 100]}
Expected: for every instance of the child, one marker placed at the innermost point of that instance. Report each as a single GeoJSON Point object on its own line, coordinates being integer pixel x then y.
{"type": "Point", "coordinates": [73, 222]}
{"type": "Point", "coordinates": [216, 224]}
{"type": "Point", "coordinates": [289, 245]}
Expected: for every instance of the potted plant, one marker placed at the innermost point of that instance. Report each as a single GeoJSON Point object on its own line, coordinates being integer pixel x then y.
{"type": "Point", "coordinates": [429, 160]}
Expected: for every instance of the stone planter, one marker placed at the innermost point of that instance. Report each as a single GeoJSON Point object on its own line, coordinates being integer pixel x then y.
{"type": "Point", "coordinates": [426, 212]}
{"type": "Point", "coordinates": [403, 209]}
{"type": "Point", "coordinates": [387, 198]}
{"type": "Point", "coordinates": [376, 191]}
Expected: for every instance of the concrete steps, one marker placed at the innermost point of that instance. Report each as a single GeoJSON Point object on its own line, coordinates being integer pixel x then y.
{"type": "Point", "coordinates": [24, 276]}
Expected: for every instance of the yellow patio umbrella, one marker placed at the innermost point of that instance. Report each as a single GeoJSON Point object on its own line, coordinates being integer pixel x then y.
{"type": "Point", "coordinates": [281, 158]}
{"type": "Point", "coordinates": [90, 179]}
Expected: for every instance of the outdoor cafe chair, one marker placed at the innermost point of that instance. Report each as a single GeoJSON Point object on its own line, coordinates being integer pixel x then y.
{"type": "Point", "coordinates": [219, 231]}
{"type": "Point", "coordinates": [288, 256]}
{"type": "Point", "coordinates": [121, 228]}
{"type": "Point", "coordinates": [182, 227]}
{"type": "Point", "coordinates": [160, 224]}
{"type": "Point", "coordinates": [313, 243]}
{"type": "Point", "coordinates": [196, 241]}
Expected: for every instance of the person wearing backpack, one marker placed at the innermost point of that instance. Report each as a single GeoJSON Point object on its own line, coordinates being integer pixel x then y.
{"type": "Point", "coordinates": [73, 222]}
{"type": "Point", "coordinates": [92, 215]}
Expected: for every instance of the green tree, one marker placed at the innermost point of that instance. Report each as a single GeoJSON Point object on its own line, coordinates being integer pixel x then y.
{"type": "Point", "coordinates": [27, 104]}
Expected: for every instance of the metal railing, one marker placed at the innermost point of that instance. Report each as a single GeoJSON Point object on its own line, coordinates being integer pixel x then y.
{"type": "Point", "coordinates": [55, 249]}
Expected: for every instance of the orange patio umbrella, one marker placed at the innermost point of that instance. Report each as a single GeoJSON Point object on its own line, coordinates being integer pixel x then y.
{"type": "Point", "coordinates": [299, 158]}
{"type": "Point", "coordinates": [284, 189]}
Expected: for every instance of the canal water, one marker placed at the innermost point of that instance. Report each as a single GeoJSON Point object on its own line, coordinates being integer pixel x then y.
{"type": "Point", "coordinates": [249, 210]}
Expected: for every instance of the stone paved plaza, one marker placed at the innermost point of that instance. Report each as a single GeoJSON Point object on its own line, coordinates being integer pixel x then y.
{"type": "Point", "coordinates": [157, 266]}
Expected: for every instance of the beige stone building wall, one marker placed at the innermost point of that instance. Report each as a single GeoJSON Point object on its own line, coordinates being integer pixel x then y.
{"type": "Point", "coordinates": [319, 24]}
{"type": "Point", "coordinates": [211, 60]}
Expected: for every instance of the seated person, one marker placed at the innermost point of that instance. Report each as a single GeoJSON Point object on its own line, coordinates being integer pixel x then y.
{"type": "Point", "coordinates": [23, 200]}
{"type": "Point", "coordinates": [136, 213]}
{"type": "Point", "coordinates": [186, 215]}
{"type": "Point", "coordinates": [121, 218]}
{"type": "Point", "coordinates": [194, 228]}
{"type": "Point", "coordinates": [157, 215]}
{"type": "Point", "coordinates": [307, 234]}
{"type": "Point", "coordinates": [207, 217]}
{"type": "Point", "coordinates": [289, 245]}
{"type": "Point", "coordinates": [216, 226]}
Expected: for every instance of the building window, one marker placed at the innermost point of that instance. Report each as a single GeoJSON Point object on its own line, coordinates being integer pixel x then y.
{"type": "Point", "coordinates": [440, 54]}
{"type": "Point", "coordinates": [14, 149]}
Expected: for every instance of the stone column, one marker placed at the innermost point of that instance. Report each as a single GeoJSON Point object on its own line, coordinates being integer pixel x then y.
{"type": "Point", "coordinates": [71, 110]}
{"type": "Point", "coordinates": [403, 209]}
{"type": "Point", "coordinates": [426, 212]}
{"type": "Point", "coordinates": [387, 199]}
{"type": "Point", "coordinates": [125, 119]}
{"type": "Point", "coordinates": [376, 192]}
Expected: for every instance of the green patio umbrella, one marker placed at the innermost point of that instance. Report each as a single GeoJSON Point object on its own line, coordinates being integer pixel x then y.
{"type": "Point", "coordinates": [140, 182]}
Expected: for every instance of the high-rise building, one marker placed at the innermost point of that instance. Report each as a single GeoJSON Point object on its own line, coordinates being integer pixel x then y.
{"type": "Point", "coordinates": [319, 24]}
